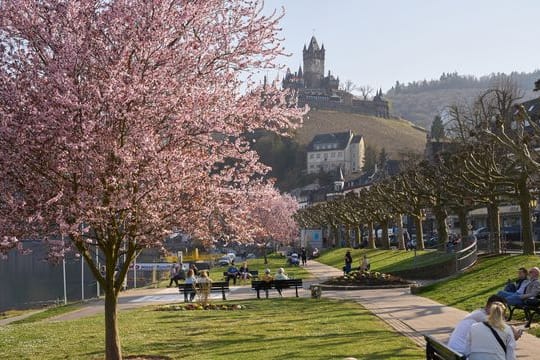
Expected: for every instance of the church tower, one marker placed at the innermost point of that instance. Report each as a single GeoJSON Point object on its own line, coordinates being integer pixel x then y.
{"type": "Point", "coordinates": [313, 64]}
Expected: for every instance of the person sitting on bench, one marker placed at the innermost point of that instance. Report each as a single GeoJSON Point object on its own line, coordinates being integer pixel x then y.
{"type": "Point", "coordinates": [531, 291]}
{"type": "Point", "coordinates": [232, 273]}
{"type": "Point", "coordinates": [458, 338]}
{"type": "Point", "coordinates": [493, 338]}
{"type": "Point", "coordinates": [267, 276]}
{"type": "Point", "coordinates": [244, 271]}
{"type": "Point", "coordinates": [517, 287]}
{"type": "Point", "coordinates": [280, 275]}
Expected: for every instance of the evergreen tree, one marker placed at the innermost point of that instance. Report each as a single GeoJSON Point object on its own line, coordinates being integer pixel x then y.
{"type": "Point", "coordinates": [370, 159]}
{"type": "Point", "coordinates": [437, 128]}
{"type": "Point", "coordinates": [383, 158]}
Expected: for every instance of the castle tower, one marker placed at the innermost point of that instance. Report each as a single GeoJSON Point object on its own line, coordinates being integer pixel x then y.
{"type": "Point", "coordinates": [313, 64]}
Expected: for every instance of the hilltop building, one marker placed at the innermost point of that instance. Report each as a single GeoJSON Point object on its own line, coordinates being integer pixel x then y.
{"type": "Point", "coordinates": [318, 91]}
{"type": "Point", "coordinates": [329, 152]}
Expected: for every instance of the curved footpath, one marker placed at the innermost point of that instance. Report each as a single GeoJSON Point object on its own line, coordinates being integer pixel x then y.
{"type": "Point", "coordinates": [408, 314]}
{"type": "Point", "coordinates": [413, 315]}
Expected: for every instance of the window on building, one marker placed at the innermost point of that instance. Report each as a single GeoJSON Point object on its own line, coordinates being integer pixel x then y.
{"type": "Point", "coordinates": [311, 156]}
{"type": "Point", "coordinates": [318, 156]}
{"type": "Point", "coordinates": [340, 154]}
{"type": "Point", "coordinates": [333, 154]}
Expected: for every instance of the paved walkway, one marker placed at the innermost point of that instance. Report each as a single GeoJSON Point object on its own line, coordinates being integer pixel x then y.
{"type": "Point", "coordinates": [408, 314]}
{"type": "Point", "coordinates": [414, 315]}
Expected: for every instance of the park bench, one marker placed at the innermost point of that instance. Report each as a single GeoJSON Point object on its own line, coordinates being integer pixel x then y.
{"type": "Point", "coordinates": [217, 286]}
{"type": "Point", "coordinates": [259, 285]}
{"type": "Point", "coordinates": [530, 308]}
{"type": "Point", "coordinates": [436, 350]}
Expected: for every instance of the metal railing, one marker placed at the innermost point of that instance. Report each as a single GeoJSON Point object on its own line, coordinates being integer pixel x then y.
{"type": "Point", "coordinates": [467, 257]}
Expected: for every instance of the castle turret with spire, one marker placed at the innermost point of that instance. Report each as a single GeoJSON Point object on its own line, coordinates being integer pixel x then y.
{"type": "Point", "coordinates": [318, 91]}
{"type": "Point", "coordinates": [313, 58]}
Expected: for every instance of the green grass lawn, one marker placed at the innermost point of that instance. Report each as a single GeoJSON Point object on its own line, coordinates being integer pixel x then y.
{"type": "Point", "coordinates": [384, 260]}
{"type": "Point", "coordinates": [470, 290]}
{"type": "Point", "coordinates": [287, 328]}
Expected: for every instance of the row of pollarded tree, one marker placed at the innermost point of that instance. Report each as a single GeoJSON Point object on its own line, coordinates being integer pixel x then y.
{"type": "Point", "coordinates": [492, 159]}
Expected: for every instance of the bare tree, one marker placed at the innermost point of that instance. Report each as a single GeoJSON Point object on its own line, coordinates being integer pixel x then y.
{"type": "Point", "coordinates": [365, 90]}
{"type": "Point", "coordinates": [348, 86]}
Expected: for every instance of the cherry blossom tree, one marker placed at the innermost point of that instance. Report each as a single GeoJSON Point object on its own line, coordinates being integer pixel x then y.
{"type": "Point", "coordinates": [272, 218]}
{"type": "Point", "coordinates": [121, 120]}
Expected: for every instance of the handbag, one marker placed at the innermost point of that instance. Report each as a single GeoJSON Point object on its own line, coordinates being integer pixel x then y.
{"type": "Point", "coordinates": [499, 340]}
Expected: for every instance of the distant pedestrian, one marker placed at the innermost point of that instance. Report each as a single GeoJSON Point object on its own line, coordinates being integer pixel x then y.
{"type": "Point", "coordinates": [303, 256]}
{"type": "Point", "coordinates": [176, 273]}
{"type": "Point", "coordinates": [407, 240]}
{"type": "Point", "coordinates": [348, 262]}
{"type": "Point", "coordinates": [365, 265]}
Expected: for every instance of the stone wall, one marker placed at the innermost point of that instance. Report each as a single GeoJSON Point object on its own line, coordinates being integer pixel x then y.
{"type": "Point", "coordinates": [434, 271]}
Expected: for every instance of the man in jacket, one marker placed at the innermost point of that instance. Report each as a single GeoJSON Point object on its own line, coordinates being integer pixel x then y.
{"type": "Point", "coordinates": [531, 291]}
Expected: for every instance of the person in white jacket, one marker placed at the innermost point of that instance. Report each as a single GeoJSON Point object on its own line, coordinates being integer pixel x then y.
{"type": "Point", "coordinates": [492, 339]}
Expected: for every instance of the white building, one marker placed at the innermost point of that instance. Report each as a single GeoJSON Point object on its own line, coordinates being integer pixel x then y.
{"type": "Point", "coordinates": [328, 152]}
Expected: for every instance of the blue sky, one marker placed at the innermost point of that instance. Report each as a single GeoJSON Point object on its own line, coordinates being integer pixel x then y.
{"type": "Point", "coordinates": [377, 42]}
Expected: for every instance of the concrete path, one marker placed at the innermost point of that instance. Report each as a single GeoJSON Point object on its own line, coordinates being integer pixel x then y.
{"type": "Point", "coordinates": [414, 315]}
{"type": "Point", "coordinates": [19, 317]}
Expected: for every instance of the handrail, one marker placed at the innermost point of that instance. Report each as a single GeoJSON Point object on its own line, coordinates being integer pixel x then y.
{"type": "Point", "coordinates": [468, 247]}
{"type": "Point", "coordinates": [467, 257]}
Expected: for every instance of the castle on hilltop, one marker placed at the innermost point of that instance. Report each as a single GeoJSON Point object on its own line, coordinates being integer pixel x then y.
{"type": "Point", "coordinates": [318, 91]}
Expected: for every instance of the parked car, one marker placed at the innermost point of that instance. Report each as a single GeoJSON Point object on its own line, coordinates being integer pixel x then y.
{"type": "Point", "coordinates": [508, 233]}
{"type": "Point", "coordinates": [224, 261]}
{"type": "Point", "coordinates": [481, 233]}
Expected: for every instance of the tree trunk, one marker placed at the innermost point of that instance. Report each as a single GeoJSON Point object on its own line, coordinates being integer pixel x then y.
{"type": "Point", "coordinates": [385, 239]}
{"type": "Point", "coordinates": [526, 223]}
{"type": "Point", "coordinates": [348, 236]}
{"type": "Point", "coordinates": [400, 239]}
{"type": "Point", "coordinates": [357, 232]}
{"type": "Point", "coordinates": [371, 238]}
{"type": "Point", "coordinates": [442, 230]}
{"type": "Point", "coordinates": [112, 340]}
{"type": "Point", "coordinates": [463, 226]}
{"type": "Point", "coordinates": [419, 232]}
{"type": "Point", "coordinates": [494, 245]}
{"type": "Point", "coordinates": [335, 237]}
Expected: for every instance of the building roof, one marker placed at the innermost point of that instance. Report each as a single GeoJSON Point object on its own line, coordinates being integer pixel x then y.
{"type": "Point", "coordinates": [332, 141]}
{"type": "Point", "coordinates": [356, 139]}
{"type": "Point", "coordinates": [313, 44]}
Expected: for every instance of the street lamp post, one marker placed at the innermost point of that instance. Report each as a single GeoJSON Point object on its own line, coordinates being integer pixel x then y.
{"type": "Point", "coordinates": [64, 271]}
{"type": "Point", "coordinates": [533, 203]}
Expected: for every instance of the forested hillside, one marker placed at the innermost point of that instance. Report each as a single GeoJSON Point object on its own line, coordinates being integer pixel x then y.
{"type": "Point", "coordinates": [421, 101]}
{"type": "Point", "coordinates": [287, 156]}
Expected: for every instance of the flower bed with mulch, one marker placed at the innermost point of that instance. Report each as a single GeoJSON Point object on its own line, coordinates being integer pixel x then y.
{"type": "Point", "coordinates": [196, 306]}
{"type": "Point", "coordinates": [366, 279]}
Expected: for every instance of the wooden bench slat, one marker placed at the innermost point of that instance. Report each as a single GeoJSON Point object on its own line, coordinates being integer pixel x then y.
{"type": "Point", "coordinates": [217, 286]}
{"type": "Point", "coordinates": [259, 285]}
{"type": "Point", "coordinates": [436, 350]}
{"type": "Point", "coordinates": [530, 309]}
